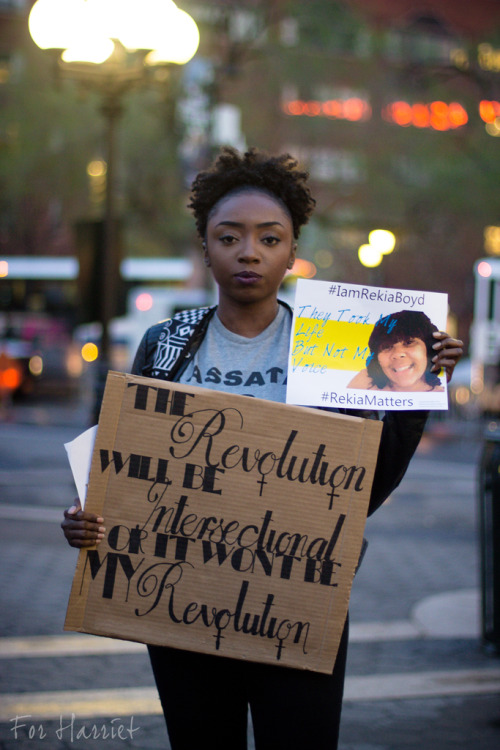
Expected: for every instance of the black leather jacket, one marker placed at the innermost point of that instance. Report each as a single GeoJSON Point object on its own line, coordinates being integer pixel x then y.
{"type": "Point", "coordinates": [401, 430]}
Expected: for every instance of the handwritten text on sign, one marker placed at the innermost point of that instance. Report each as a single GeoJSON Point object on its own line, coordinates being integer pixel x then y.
{"type": "Point", "coordinates": [223, 537]}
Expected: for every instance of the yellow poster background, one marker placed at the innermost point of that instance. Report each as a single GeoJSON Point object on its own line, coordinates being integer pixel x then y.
{"type": "Point", "coordinates": [336, 345]}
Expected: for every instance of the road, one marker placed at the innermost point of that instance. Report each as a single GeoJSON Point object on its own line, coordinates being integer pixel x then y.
{"type": "Point", "coordinates": [417, 675]}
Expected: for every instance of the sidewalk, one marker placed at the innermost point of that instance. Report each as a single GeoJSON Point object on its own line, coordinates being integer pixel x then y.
{"type": "Point", "coordinates": [418, 677]}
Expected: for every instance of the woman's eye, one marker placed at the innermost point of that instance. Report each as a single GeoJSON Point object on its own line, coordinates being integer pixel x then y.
{"type": "Point", "coordinates": [227, 239]}
{"type": "Point", "coordinates": [270, 241]}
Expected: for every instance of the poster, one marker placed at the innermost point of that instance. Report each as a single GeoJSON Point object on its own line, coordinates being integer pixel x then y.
{"type": "Point", "coordinates": [364, 347]}
{"type": "Point", "coordinates": [234, 525]}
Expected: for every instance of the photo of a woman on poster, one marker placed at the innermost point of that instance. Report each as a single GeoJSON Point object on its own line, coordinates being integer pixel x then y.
{"type": "Point", "coordinates": [401, 353]}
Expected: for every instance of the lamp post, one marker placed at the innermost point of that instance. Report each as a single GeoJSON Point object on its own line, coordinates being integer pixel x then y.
{"type": "Point", "coordinates": [113, 47]}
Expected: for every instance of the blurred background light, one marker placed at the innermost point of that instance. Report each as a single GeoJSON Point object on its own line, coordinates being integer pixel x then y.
{"type": "Point", "coordinates": [484, 269]}
{"type": "Point", "coordinates": [383, 240]}
{"type": "Point", "coordinates": [144, 302]}
{"type": "Point", "coordinates": [323, 258]}
{"type": "Point", "coordinates": [54, 24]}
{"type": "Point", "coordinates": [369, 256]}
{"type": "Point", "coordinates": [90, 352]}
{"type": "Point", "coordinates": [35, 365]}
{"type": "Point", "coordinates": [303, 268]}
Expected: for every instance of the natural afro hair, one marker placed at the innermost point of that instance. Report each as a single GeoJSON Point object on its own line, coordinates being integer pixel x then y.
{"type": "Point", "coordinates": [232, 171]}
{"type": "Point", "coordinates": [393, 328]}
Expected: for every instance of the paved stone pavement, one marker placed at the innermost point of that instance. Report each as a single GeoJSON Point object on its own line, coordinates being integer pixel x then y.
{"type": "Point", "coordinates": [418, 677]}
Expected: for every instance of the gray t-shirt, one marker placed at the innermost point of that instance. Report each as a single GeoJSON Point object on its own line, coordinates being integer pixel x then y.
{"type": "Point", "coordinates": [256, 367]}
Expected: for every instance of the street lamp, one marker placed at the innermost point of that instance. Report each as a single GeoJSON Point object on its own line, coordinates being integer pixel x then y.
{"type": "Point", "coordinates": [112, 47]}
{"type": "Point", "coordinates": [380, 242]}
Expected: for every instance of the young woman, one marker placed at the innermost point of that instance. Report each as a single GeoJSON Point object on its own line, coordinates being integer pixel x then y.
{"type": "Point", "coordinates": [401, 355]}
{"type": "Point", "coordinates": [249, 210]}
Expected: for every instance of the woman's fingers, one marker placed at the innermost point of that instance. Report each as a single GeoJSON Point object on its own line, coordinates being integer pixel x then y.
{"type": "Point", "coordinates": [448, 352]}
{"type": "Point", "coordinates": [82, 529]}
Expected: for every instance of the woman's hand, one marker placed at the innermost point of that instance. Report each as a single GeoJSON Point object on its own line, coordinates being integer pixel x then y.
{"type": "Point", "coordinates": [82, 529]}
{"type": "Point", "coordinates": [448, 353]}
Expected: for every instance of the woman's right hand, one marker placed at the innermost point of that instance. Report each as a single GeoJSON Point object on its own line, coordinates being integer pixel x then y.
{"type": "Point", "coordinates": [80, 528]}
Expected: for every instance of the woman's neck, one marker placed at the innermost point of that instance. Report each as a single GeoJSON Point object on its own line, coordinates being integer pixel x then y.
{"type": "Point", "coordinates": [247, 320]}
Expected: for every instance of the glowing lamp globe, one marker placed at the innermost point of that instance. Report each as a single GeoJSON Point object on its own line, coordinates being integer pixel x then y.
{"type": "Point", "coordinates": [369, 256]}
{"type": "Point", "coordinates": [54, 24]}
{"type": "Point", "coordinates": [179, 41]}
{"type": "Point", "coordinates": [383, 240]}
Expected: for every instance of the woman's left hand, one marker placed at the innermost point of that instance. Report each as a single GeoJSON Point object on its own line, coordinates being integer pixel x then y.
{"type": "Point", "coordinates": [448, 353]}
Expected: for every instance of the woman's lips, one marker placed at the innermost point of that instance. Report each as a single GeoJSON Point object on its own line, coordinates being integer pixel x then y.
{"type": "Point", "coordinates": [247, 277]}
{"type": "Point", "coordinates": [403, 368]}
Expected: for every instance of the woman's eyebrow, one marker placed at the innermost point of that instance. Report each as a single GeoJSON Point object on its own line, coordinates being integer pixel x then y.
{"type": "Point", "coordinates": [240, 224]}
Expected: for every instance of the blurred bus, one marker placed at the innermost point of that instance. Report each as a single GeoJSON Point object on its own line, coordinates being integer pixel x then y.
{"type": "Point", "coordinates": [485, 335]}
{"type": "Point", "coordinates": [39, 298]}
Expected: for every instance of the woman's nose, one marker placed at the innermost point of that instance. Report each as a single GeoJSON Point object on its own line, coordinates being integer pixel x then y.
{"type": "Point", "coordinates": [249, 251]}
{"type": "Point", "coordinates": [398, 351]}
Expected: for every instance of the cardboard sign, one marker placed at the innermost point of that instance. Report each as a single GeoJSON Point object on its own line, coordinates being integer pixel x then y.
{"type": "Point", "coordinates": [363, 347]}
{"type": "Point", "coordinates": [234, 525]}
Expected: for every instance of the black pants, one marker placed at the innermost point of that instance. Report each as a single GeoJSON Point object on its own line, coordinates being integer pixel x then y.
{"type": "Point", "coordinates": [205, 701]}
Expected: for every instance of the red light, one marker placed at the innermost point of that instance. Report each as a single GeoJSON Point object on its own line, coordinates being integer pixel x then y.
{"type": "Point", "coordinates": [10, 374]}
{"type": "Point", "coordinates": [439, 109]}
{"type": "Point", "coordinates": [421, 117]}
{"type": "Point", "coordinates": [401, 113]}
{"type": "Point", "coordinates": [354, 109]}
{"type": "Point", "coordinates": [436, 115]}
{"type": "Point", "coordinates": [439, 116]}
{"type": "Point", "coordinates": [457, 115]}
{"type": "Point", "coordinates": [10, 379]}
{"type": "Point", "coordinates": [349, 109]}
{"type": "Point", "coordinates": [144, 302]}
{"type": "Point", "coordinates": [312, 109]}
{"type": "Point", "coordinates": [489, 111]}
{"type": "Point", "coordinates": [332, 108]}
{"type": "Point", "coordinates": [484, 269]}
{"type": "Point", "coordinates": [294, 108]}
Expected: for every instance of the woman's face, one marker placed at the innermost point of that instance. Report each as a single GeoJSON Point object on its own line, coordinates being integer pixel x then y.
{"type": "Point", "coordinates": [404, 364]}
{"type": "Point", "coordinates": [249, 246]}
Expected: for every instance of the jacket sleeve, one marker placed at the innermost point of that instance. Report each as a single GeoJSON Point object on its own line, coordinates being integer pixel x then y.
{"type": "Point", "coordinates": [140, 356]}
{"type": "Point", "coordinates": [144, 356]}
{"type": "Point", "coordinates": [401, 433]}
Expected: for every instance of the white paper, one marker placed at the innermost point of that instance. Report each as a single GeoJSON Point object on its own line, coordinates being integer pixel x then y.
{"type": "Point", "coordinates": [79, 453]}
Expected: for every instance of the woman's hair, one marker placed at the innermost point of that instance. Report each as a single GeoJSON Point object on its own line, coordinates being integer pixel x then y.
{"type": "Point", "coordinates": [396, 327]}
{"type": "Point", "coordinates": [232, 172]}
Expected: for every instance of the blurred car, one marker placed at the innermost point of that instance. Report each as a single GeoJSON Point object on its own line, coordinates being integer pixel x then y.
{"type": "Point", "coordinates": [38, 347]}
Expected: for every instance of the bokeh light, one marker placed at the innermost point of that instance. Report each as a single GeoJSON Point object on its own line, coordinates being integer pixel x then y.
{"type": "Point", "coordinates": [323, 258]}
{"type": "Point", "coordinates": [369, 256]}
{"type": "Point", "coordinates": [303, 268]}
{"type": "Point", "coordinates": [96, 168]}
{"type": "Point", "coordinates": [36, 365]}
{"type": "Point", "coordinates": [144, 302]}
{"type": "Point", "coordinates": [436, 115]}
{"type": "Point", "coordinates": [462, 395]}
{"type": "Point", "coordinates": [10, 378]}
{"type": "Point", "coordinates": [383, 240]}
{"type": "Point", "coordinates": [90, 352]}
{"type": "Point", "coordinates": [484, 269]}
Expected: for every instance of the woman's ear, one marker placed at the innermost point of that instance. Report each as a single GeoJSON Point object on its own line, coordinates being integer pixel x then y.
{"type": "Point", "coordinates": [206, 259]}
{"type": "Point", "coordinates": [293, 255]}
